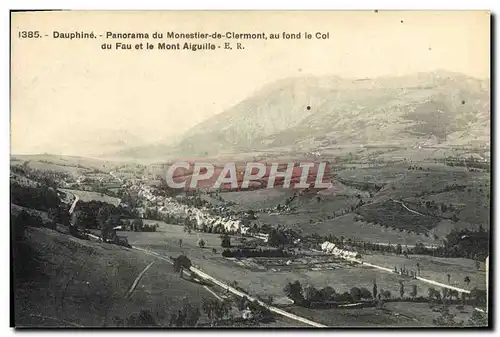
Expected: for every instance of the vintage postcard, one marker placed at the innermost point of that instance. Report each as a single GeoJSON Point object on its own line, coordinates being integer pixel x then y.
{"type": "Point", "coordinates": [250, 169]}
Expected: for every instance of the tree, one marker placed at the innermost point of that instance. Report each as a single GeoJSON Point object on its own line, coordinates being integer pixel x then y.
{"type": "Point", "coordinates": [311, 294]}
{"type": "Point", "coordinates": [355, 294]}
{"type": "Point", "coordinates": [413, 292]}
{"type": "Point", "coordinates": [430, 292]}
{"type": "Point", "coordinates": [215, 310]}
{"type": "Point", "coordinates": [446, 318]}
{"type": "Point", "coordinates": [242, 303]}
{"type": "Point", "coordinates": [107, 231]}
{"type": "Point", "coordinates": [434, 294]}
{"type": "Point", "coordinates": [467, 280]}
{"type": "Point", "coordinates": [294, 291]}
{"type": "Point", "coordinates": [103, 215]}
{"type": "Point", "coordinates": [446, 293]}
{"type": "Point", "coordinates": [366, 294]}
{"type": "Point", "coordinates": [208, 308]}
{"type": "Point", "coordinates": [453, 294]}
{"type": "Point", "coordinates": [327, 293]}
{"type": "Point", "coordinates": [386, 294]}
{"type": "Point", "coordinates": [477, 319]}
{"type": "Point", "coordinates": [182, 261]}
{"type": "Point", "coordinates": [464, 298]}
{"type": "Point", "coordinates": [478, 296]}
{"type": "Point", "coordinates": [191, 315]}
{"type": "Point", "coordinates": [374, 289]}
{"type": "Point", "coordinates": [138, 225]}
{"type": "Point", "coordinates": [143, 319]}
{"type": "Point", "coordinates": [401, 289]}
{"type": "Point", "coordinates": [225, 241]}
{"type": "Point", "coordinates": [449, 277]}
{"type": "Point", "coordinates": [53, 214]}
{"type": "Point", "coordinates": [201, 243]}
{"type": "Point", "coordinates": [180, 243]}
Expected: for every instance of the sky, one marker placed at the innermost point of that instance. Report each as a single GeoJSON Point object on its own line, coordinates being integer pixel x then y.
{"type": "Point", "coordinates": [70, 95]}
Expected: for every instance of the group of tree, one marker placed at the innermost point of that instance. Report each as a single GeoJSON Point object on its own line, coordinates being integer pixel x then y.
{"type": "Point", "coordinates": [41, 197]}
{"type": "Point", "coordinates": [49, 178]}
{"type": "Point", "coordinates": [310, 296]}
{"type": "Point", "coordinates": [138, 225]}
{"type": "Point", "coordinates": [279, 237]}
{"type": "Point", "coordinates": [476, 297]}
{"type": "Point", "coordinates": [363, 185]}
{"type": "Point", "coordinates": [468, 162]}
{"type": "Point", "coordinates": [59, 215]}
{"type": "Point", "coordinates": [91, 214]}
{"type": "Point", "coordinates": [246, 253]}
{"type": "Point", "coordinates": [419, 168]}
{"type": "Point", "coordinates": [216, 310]}
{"type": "Point", "coordinates": [225, 241]}
{"type": "Point", "coordinates": [466, 243]}
{"type": "Point", "coordinates": [24, 219]}
{"type": "Point", "coordinates": [447, 188]}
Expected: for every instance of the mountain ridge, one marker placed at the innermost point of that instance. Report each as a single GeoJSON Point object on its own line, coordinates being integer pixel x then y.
{"type": "Point", "coordinates": [443, 106]}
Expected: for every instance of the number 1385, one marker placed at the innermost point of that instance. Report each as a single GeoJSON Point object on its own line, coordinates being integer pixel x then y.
{"type": "Point", "coordinates": [29, 34]}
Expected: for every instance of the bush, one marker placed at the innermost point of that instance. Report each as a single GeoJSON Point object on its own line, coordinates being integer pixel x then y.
{"type": "Point", "coordinates": [40, 198]}
{"type": "Point", "coordinates": [366, 294]}
{"type": "Point", "coordinates": [182, 261]}
{"type": "Point", "coordinates": [355, 294]}
{"type": "Point", "coordinates": [225, 241]}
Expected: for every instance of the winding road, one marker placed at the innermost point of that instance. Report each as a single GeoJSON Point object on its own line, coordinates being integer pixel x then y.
{"type": "Point", "coordinates": [276, 310]}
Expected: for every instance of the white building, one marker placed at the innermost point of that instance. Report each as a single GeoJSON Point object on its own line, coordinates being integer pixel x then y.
{"type": "Point", "coordinates": [330, 248]}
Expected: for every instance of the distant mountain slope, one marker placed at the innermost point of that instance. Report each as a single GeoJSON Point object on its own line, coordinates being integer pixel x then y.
{"type": "Point", "coordinates": [438, 108]}
{"type": "Point", "coordinates": [86, 141]}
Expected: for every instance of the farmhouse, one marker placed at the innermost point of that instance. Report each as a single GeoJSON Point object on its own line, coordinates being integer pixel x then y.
{"type": "Point", "coordinates": [331, 248]}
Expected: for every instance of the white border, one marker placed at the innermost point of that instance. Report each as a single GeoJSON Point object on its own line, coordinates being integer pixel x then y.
{"type": "Point", "coordinates": [192, 4]}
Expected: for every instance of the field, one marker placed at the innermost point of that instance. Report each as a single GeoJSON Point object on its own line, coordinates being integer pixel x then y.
{"type": "Point", "coordinates": [87, 196]}
{"type": "Point", "coordinates": [436, 268]}
{"type": "Point", "coordinates": [394, 314]}
{"type": "Point", "coordinates": [258, 199]}
{"type": "Point", "coordinates": [353, 318]}
{"type": "Point", "coordinates": [394, 215]}
{"type": "Point", "coordinates": [266, 281]}
{"type": "Point", "coordinates": [269, 278]}
{"type": "Point", "coordinates": [79, 282]}
{"type": "Point", "coordinates": [386, 220]}
{"type": "Point", "coordinates": [346, 226]}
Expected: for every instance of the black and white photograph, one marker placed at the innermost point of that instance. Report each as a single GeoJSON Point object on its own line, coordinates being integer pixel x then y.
{"type": "Point", "coordinates": [250, 169]}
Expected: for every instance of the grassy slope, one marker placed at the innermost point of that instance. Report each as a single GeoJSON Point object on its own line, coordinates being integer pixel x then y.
{"type": "Point", "coordinates": [85, 283]}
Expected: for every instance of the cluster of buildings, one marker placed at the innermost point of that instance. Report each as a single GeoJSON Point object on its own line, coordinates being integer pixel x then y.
{"type": "Point", "coordinates": [204, 219]}
{"type": "Point", "coordinates": [200, 217]}
{"type": "Point", "coordinates": [331, 248]}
